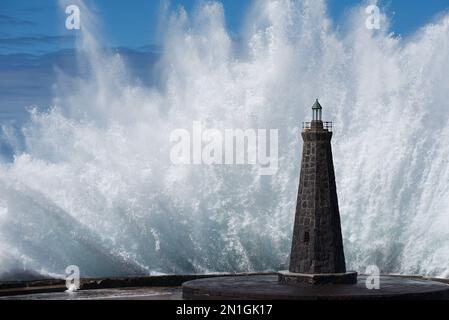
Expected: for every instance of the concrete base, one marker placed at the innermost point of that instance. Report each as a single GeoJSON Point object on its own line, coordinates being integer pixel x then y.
{"type": "Point", "coordinates": [288, 277]}
{"type": "Point", "coordinates": [269, 288]}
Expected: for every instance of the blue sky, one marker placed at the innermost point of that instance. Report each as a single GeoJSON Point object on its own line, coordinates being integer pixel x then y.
{"type": "Point", "coordinates": [33, 39]}
{"type": "Point", "coordinates": [37, 26]}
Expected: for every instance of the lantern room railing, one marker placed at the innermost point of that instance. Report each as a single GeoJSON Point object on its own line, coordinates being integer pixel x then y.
{"type": "Point", "coordinates": [326, 125]}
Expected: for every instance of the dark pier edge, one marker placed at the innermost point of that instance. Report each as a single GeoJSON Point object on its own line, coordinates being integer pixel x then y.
{"type": "Point", "coordinates": [268, 287]}
{"type": "Point", "coordinates": [9, 289]}
{"type": "Point", "coordinates": [12, 288]}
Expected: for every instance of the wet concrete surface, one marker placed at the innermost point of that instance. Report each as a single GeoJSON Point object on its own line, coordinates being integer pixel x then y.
{"type": "Point", "coordinates": [148, 293]}
{"type": "Point", "coordinates": [267, 287]}
{"type": "Point", "coordinates": [229, 286]}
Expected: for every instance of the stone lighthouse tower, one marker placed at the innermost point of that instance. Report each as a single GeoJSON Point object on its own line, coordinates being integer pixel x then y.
{"type": "Point", "coordinates": [317, 254]}
{"type": "Point", "coordinates": [317, 266]}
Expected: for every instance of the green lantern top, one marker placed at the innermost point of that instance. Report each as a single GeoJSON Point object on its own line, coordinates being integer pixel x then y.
{"type": "Point", "coordinates": [317, 111]}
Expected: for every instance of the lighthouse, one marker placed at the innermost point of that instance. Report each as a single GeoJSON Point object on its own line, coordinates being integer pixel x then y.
{"type": "Point", "coordinates": [317, 262]}
{"type": "Point", "coordinates": [317, 254]}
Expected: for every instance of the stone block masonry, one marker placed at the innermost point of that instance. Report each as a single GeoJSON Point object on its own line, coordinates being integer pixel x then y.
{"type": "Point", "coordinates": [317, 241]}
